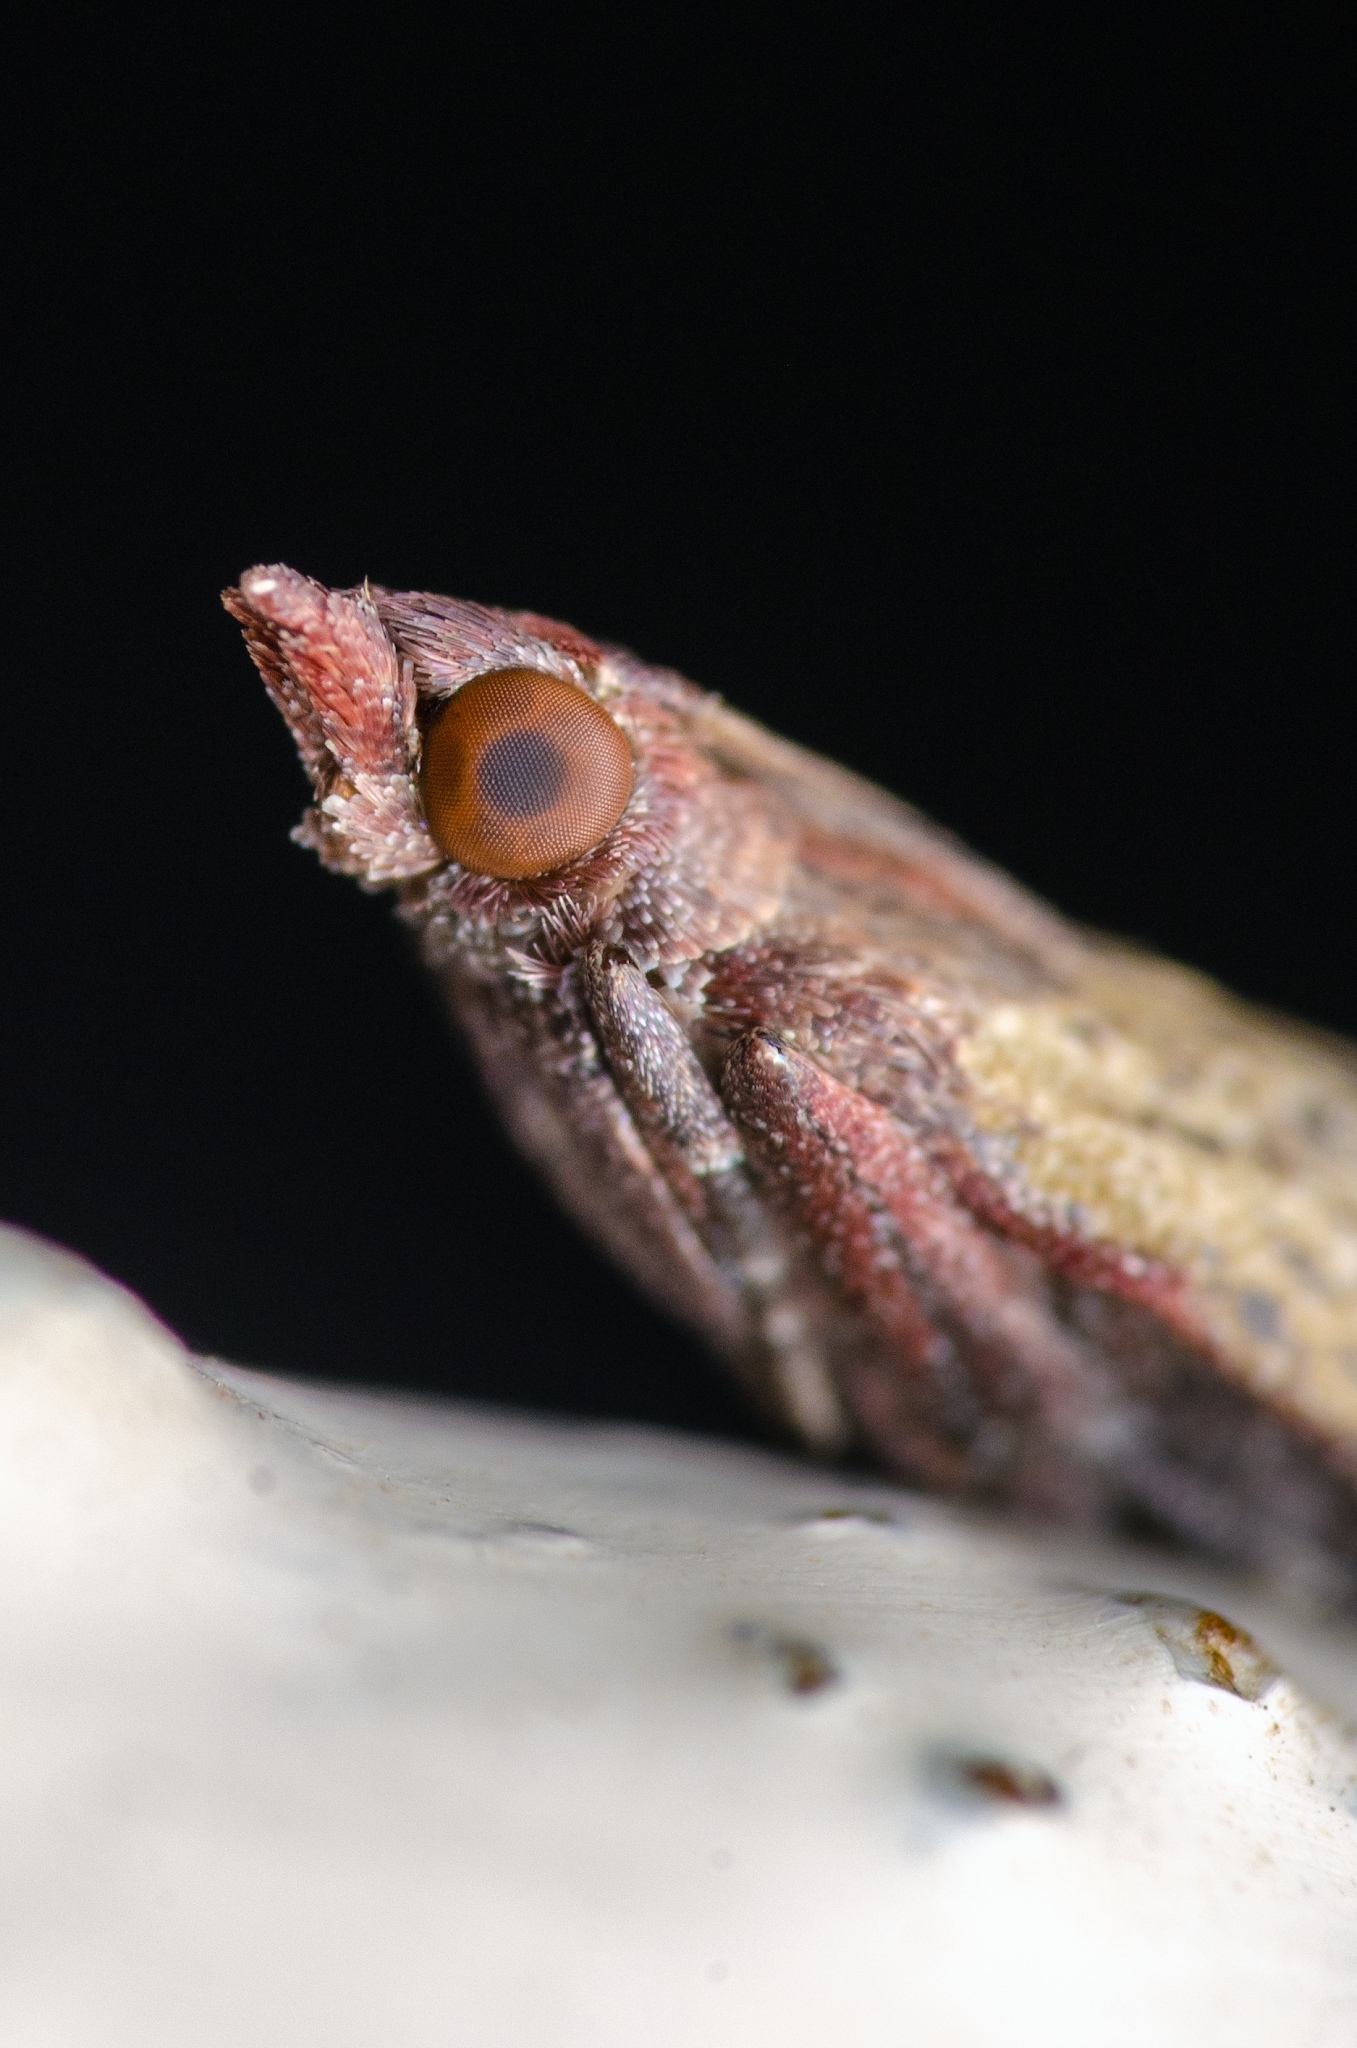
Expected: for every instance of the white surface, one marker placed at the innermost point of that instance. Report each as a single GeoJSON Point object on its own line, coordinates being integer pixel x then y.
{"type": "Point", "coordinates": [341, 1720]}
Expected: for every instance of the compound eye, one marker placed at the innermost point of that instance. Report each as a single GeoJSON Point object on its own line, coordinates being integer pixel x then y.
{"type": "Point", "coordinates": [522, 772]}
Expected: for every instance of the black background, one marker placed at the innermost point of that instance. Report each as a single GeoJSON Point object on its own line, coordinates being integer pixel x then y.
{"type": "Point", "coordinates": [974, 408]}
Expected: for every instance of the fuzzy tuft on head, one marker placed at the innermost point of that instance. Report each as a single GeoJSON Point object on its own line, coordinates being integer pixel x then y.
{"type": "Point", "coordinates": [331, 668]}
{"type": "Point", "coordinates": [694, 861]}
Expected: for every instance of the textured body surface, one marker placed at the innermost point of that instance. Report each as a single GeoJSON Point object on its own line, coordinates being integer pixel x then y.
{"type": "Point", "coordinates": [333, 1720]}
{"type": "Point", "coordinates": [1032, 1216]}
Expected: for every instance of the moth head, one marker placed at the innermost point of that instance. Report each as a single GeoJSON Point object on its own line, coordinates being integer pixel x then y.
{"type": "Point", "coordinates": [507, 770]}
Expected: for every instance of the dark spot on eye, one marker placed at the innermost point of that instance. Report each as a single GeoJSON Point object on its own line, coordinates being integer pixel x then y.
{"type": "Point", "coordinates": [521, 773]}
{"type": "Point", "coordinates": [995, 1781]}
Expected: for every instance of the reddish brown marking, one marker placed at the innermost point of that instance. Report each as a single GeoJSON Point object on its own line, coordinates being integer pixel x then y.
{"type": "Point", "coordinates": [848, 1020]}
{"type": "Point", "coordinates": [901, 1245]}
{"type": "Point", "coordinates": [1087, 1262]}
{"type": "Point", "coordinates": [1207, 1647]}
{"type": "Point", "coordinates": [568, 639]}
{"type": "Point", "coordinates": [839, 1149]}
{"type": "Point", "coordinates": [331, 670]}
{"type": "Point", "coordinates": [841, 859]}
{"type": "Point", "coordinates": [861, 1022]}
{"type": "Point", "coordinates": [1219, 1641]}
{"type": "Point", "coordinates": [1007, 1784]}
{"type": "Point", "coordinates": [805, 1667]}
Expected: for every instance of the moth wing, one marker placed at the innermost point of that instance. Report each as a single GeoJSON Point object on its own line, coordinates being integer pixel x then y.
{"type": "Point", "coordinates": [859, 830]}
{"type": "Point", "coordinates": [1120, 1112]}
{"type": "Point", "coordinates": [1139, 1106]}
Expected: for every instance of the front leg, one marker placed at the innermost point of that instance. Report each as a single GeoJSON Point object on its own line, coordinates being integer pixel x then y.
{"type": "Point", "coordinates": [700, 1155]}
{"type": "Point", "coordinates": [975, 1384]}
{"type": "Point", "coordinates": [541, 1063]}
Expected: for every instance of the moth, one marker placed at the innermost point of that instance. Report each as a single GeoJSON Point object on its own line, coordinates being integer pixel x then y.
{"type": "Point", "coordinates": [1029, 1216]}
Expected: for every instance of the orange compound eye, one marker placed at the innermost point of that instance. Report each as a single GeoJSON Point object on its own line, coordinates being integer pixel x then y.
{"type": "Point", "coordinates": [522, 772]}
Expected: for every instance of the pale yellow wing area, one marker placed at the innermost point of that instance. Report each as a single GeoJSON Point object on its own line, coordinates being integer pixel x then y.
{"type": "Point", "coordinates": [1145, 1107]}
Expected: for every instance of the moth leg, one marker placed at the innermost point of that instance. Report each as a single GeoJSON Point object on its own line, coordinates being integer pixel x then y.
{"type": "Point", "coordinates": [976, 1384]}
{"type": "Point", "coordinates": [541, 1064]}
{"type": "Point", "coordinates": [700, 1154]}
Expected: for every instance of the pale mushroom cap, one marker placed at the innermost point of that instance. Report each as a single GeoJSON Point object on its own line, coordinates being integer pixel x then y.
{"type": "Point", "coordinates": [342, 1719]}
